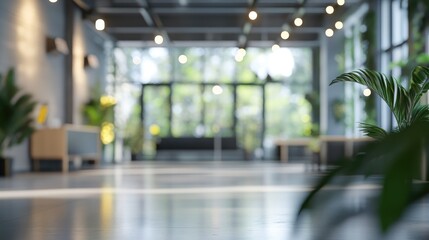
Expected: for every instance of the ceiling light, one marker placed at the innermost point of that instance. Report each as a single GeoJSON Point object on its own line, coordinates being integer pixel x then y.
{"type": "Point", "coordinates": [239, 58]}
{"type": "Point", "coordinates": [285, 35]}
{"type": "Point", "coordinates": [53, 1]}
{"type": "Point", "coordinates": [275, 47]}
{"type": "Point", "coordinates": [329, 9]}
{"type": "Point", "coordinates": [159, 39]}
{"type": "Point", "coordinates": [329, 32]}
{"type": "Point", "coordinates": [253, 15]}
{"type": "Point", "coordinates": [183, 59]}
{"type": "Point", "coordinates": [100, 24]}
{"type": "Point", "coordinates": [298, 22]}
{"type": "Point", "coordinates": [241, 52]}
{"type": "Point", "coordinates": [367, 92]}
{"type": "Point", "coordinates": [341, 2]}
{"type": "Point", "coordinates": [217, 90]}
{"type": "Point", "coordinates": [339, 25]}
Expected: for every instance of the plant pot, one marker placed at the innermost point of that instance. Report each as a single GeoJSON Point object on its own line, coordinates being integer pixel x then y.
{"type": "Point", "coordinates": [6, 166]}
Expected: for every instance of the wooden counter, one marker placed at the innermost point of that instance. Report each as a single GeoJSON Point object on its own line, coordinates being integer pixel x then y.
{"type": "Point", "coordinates": [323, 142]}
{"type": "Point", "coordinates": [65, 143]}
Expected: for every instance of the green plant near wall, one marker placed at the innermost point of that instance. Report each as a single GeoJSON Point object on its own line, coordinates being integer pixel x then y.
{"type": "Point", "coordinates": [98, 109]}
{"type": "Point", "coordinates": [99, 112]}
{"type": "Point", "coordinates": [403, 102]}
{"type": "Point", "coordinates": [396, 156]}
{"type": "Point", "coordinates": [16, 113]}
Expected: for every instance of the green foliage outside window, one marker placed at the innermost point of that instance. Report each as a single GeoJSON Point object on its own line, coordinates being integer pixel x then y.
{"type": "Point", "coordinates": [193, 105]}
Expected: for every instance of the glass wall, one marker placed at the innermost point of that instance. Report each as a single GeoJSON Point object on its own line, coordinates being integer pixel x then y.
{"type": "Point", "coordinates": [249, 117]}
{"type": "Point", "coordinates": [218, 112]}
{"type": "Point", "coordinates": [360, 51]}
{"type": "Point", "coordinates": [158, 111]}
{"type": "Point", "coordinates": [394, 47]}
{"type": "Point", "coordinates": [187, 105]}
{"type": "Point", "coordinates": [263, 96]}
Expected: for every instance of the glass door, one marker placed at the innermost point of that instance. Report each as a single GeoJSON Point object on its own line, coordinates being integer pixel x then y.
{"type": "Point", "coordinates": [249, 115]}
{"type": "Point", "coordinates": [157, 109]}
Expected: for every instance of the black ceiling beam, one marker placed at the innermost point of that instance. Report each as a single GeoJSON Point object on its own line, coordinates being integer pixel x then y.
{"type": "Point", "coordinates": [206, 10]}
{"type": "Point", "coordinates": [86, 5]}
{"type": "Point", "coordinates": [242, 39]}
{"type": "Point", "coordinates": [289, 24]}
{"type": "Point", "coordinates": [147, 17]}
{"type": "Point", "coordinates": [231, 10]}
{"type": "Point", "coordinates": [202, 37]}
{"type": "Point", "coordinates": [259, 30]}
{"type": "Point", "coordinates": [152, 19]}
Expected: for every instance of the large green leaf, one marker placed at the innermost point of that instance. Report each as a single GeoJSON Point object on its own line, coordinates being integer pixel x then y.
{"type": "Point", "coordinates": [396, 161]}
{"type": "Point", "coordinates": [419, 83]}
{"type": "Point", "coordinates": [396, 188]}
{"type": "Point", "coordinates": [420, 113]}
{"type": "Point", "coordinates": [388, 88]}
{"type": "Point", "coordinates": [373, 131]}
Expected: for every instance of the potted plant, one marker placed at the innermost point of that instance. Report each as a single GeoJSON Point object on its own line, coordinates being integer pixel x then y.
{"type": "Point", "coordinates": [395, 157]}
{"type": "Point", "coordinates": [16, 119]}
{"type": "Point", "coordinates": [98, 111]}
{"type": "Point", "coordinates": [404, 102]}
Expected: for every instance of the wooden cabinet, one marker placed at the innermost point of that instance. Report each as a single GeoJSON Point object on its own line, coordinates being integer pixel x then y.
{"type": "Point", "coordinates": [65, 143]}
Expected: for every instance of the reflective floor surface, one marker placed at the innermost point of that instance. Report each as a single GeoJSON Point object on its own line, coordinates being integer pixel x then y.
{"type": "Point", "coordinates": [182, 200]}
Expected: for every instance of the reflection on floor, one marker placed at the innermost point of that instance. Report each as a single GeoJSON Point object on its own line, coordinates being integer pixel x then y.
{"type": "Point", "coordinates": [178, 200]}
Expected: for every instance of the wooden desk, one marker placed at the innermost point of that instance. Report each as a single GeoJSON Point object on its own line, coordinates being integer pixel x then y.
{"type": "Point", "coordinates": [285, 143]}
{"type": "Point", "coordinates": [64, 143]}
{"type": "Point", "coordinates": [348, 145]}
{"type": "Point", "coordinates": [323, 142]}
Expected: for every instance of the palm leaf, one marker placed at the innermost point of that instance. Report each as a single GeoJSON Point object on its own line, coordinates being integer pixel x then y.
{"type": "Point", "coordinates": [373, 131]}
{"type": "Point", "coordinates": [397, 161]}
{"type": "Point", "coordinates": [420, 113]}
{"type": "Point", "coordinates": [16, 110]}
{"type": "Point", "coordinates": [388, 88]}
{"type": "Point", "coordinates": [10, 86]}
{"type": "Point", "coordinates": [419, 83]}
{"type": "Point", "coordinates": [396, 189]}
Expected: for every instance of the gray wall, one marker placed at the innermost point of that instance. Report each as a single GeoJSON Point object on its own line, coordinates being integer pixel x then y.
{"type": "Point", "coordinates": [330, 47]}
{"type": "Point", "coordinates": [335, 92]}
{"type": "Point", "coordinates": [86, 41]}
{"type": "Point", "coordinates": [24, 26]}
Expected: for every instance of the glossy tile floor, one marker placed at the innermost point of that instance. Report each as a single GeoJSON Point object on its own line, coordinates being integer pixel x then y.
{"type": "Point", "coordinates": [181, 200]}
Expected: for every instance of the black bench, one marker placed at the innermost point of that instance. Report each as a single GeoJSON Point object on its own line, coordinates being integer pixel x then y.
{"type": "Point", "coordinates": [192, 148]}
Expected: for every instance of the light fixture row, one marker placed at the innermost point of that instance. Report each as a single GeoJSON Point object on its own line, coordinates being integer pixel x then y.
{"type": "Point", "coordinates": [100, 25]}
{"type": "Point", "coordinates": [298, 22]}
{"type": "Point", "coordinates": [253, 15]}
{"type": "Point", "coordinates": [329, 32]}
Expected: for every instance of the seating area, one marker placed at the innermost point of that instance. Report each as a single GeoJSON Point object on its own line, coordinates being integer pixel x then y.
{"type": "Point", "coordinates": [202, 149]}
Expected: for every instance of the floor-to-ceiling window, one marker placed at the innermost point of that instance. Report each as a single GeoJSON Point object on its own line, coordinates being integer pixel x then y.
{"type": "Point", "coordinates": [394, 46]}
{"type": "Point", "coordinates": [263, 96]}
